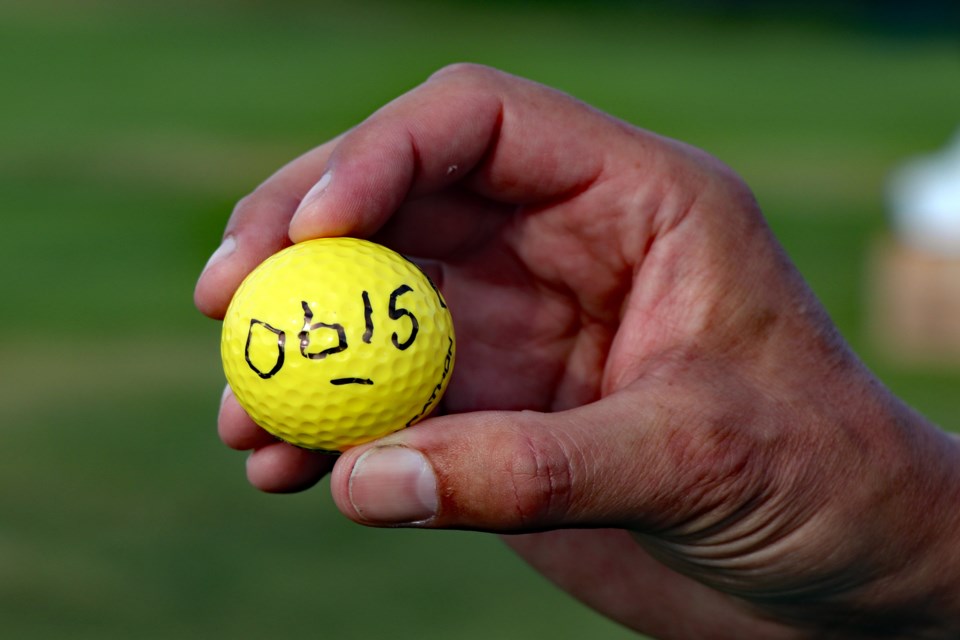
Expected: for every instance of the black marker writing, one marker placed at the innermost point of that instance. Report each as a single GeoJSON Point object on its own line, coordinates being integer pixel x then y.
{"type": "Point", "coordinates": [443, 304]}
{"type": "Point", "coordinates": [308, 327]}
{"type": "Point", "coordinates": [306, 335]}
{"type": "Point", "coordinates": [367, 317]}
{"type": "Point", "coordinates": [343, 381]}
{"type": "Point", "coordinates": [281, 343]}
{"type": "Point", "coordinates": [396, 313]}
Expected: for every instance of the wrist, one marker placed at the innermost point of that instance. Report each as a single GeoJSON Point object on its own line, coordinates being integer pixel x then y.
{"type": "Point", "coordinates": [908, 534]}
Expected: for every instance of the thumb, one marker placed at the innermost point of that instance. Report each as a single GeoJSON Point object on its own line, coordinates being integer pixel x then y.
{"type": "Point", "coordinates": [605, 464]}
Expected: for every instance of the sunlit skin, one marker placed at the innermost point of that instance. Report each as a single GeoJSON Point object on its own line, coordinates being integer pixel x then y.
{"type": "Point", "coordinates": [648, 399]}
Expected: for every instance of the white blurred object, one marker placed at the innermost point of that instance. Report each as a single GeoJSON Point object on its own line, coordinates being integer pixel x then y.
{"type": "Point", "coordinates": [925, 201]}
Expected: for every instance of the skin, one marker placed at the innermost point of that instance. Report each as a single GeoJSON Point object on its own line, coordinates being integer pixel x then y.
{"type": "Point", "coordinates": [648, 400]}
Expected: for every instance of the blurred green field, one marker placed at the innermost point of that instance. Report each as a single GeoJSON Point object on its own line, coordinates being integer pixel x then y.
{"type": "Point", "coordinates": [127, 132]}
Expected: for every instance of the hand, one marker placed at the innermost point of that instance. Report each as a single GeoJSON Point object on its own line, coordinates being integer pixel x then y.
{"type": "Point", "coordinates": [647, 396]}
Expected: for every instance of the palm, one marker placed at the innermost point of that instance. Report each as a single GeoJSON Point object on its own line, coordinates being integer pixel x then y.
{"type": "Point", "coordinates": [535, 314]}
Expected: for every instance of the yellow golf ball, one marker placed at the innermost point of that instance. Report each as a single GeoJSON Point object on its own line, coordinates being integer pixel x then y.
{"type": "Point", "coordinates": [337, 341]}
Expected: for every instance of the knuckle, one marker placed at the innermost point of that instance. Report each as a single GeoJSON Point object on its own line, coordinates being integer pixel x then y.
{"type": "Point", "coordinates": [243, 207]}
{"type": "Point", "coordinates": [246, 201]}
{"type": "Point", "coordinates": [541, 482]}
{"type": "Point", "coordinates": [469, 71]}
{"type": "Point", "coordinates": [258, 213]}
{"type": "Point", "coordinates": [736, 190]}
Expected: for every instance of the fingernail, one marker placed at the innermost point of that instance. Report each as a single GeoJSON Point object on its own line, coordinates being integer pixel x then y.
{"type": "Point", "coordinates": [315, 192]}
{"type": "Point", "coordinates": [227, 391]}
{"type": "Point", "coordinates": [393, 485]}
{"type": "Point", "coordinates": [226, 247]}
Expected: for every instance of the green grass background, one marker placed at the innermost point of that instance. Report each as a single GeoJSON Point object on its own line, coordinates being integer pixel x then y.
{"type": "Point", "coordinates": [127, 132]}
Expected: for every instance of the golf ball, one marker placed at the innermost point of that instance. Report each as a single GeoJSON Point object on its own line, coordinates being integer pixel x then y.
{"type": "Point", "coordinates": [337, 341]}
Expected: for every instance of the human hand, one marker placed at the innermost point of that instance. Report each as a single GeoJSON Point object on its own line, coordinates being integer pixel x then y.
{"type": "Point", "coordinates": [647, 395]}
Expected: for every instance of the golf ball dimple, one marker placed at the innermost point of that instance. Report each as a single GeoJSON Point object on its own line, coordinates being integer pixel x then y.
{"type": "Point", "coordinates": [335, 342]}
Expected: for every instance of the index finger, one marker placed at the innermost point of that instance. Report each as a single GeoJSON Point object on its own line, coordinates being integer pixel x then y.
{"type": "Point", "coordinates": [257, 229]}
{"type": "Point", "coordinates": [505, 138]}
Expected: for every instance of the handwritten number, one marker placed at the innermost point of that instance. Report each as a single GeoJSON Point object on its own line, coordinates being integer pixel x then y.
{"type": "Point", "coordinates": [281, 342]}
{"type": "Point", "coordinates": [308, 327]}
{"type": "Point", "coordinates": [367, 318]}
{"type": "Point", "coordinates": [396, 313]}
